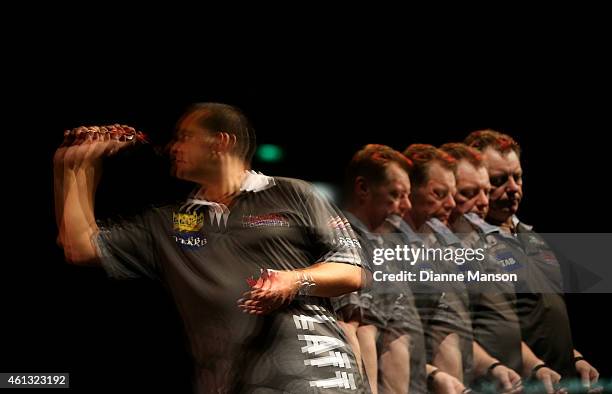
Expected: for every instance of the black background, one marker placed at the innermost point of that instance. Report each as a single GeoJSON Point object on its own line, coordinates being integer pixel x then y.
{"type": "Point", "coordinates": [58, 318]}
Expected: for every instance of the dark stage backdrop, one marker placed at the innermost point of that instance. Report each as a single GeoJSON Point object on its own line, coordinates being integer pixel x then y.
{"type": "Point", "coordinates": [108, 334]}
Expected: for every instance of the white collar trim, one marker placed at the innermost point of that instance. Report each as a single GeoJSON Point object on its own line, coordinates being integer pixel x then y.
{"type": "Point", "coordinates": [256, 182]}
{"type": "Point", "coordinates": [252, 182]}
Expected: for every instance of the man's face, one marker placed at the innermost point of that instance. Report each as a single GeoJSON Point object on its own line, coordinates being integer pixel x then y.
{"type": "Point", "coordinates": [473, 189]}
{"type": "Point", "coordinates": [388, 197]}
{"type": "Point", "coordinates": [434, 199]}
{"type": "Point", "coordinates": [192, 151]}
{"type": "Point", "coordinates": [505, 175]}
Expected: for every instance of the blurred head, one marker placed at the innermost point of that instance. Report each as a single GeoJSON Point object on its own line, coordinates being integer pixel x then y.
{"type": "Point", "coordinates": [433, 184]}
{"type": "Point", "coordinates": [472, 180]}
{"type": "Point", "coordinates": [501, 157]}
{"type": "Point", "coordinates": [377, 184]}
{"type": "Point", "coordinates": [208, 135]}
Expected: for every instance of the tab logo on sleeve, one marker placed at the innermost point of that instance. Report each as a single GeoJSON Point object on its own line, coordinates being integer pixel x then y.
{"type": "Point", "coordinates": [507, 261]}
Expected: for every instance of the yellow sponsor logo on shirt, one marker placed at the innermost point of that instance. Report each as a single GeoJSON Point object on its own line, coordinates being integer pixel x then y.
{"type": "Point", "coordinates": [187, 222]}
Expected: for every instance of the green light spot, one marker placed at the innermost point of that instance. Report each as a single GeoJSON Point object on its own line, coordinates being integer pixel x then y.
{"type": "Point", "coordinates": [269, 153]}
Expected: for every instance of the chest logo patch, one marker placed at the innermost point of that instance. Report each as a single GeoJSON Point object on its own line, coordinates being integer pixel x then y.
{"type": "Point", "coordinates": [187, 222]}
{"type": "Point", "coordinates": [187, 228]}
{"type": "Point", "coordinates": [269, 220]}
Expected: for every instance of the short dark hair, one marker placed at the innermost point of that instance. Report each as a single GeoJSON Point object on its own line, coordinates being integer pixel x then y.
{"type": "Point", "coordinates": [371, 162]}
{"type": "Point", "coordinates": [422, 155]}
{"type": "Point", "coordinates": [218, 117]}
{"type": "Point", "coordinates": [481, 139]}
{"type": "Point", "coordinates": [460, 151]}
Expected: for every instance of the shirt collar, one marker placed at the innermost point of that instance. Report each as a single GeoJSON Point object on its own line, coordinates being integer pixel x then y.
{"type": "Point", "coordinates": [253, 182]}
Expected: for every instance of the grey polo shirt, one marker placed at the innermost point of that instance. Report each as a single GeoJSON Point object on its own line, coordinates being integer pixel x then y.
{"type": "Point", "coordinates": [204, 252]}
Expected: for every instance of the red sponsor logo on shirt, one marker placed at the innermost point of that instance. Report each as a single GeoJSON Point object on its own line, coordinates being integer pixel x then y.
{"type": "Point", "coordinates": [338, 223]}
{"type": "Point", "coordinates": [269, 220]}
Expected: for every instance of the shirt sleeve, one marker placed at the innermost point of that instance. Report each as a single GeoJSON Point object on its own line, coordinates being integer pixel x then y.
{"type": "Point", "coordinates": [333, 238]}
{"type": "Point", "coordinates": [127, 250]}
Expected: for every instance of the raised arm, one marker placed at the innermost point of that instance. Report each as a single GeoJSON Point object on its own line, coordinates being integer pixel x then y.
{"type": "Point", "coordinates": [77, 171]}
